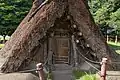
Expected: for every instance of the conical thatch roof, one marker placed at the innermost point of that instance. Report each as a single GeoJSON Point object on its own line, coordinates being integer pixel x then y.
{"type": "Point", "coordinates": [30, 34]}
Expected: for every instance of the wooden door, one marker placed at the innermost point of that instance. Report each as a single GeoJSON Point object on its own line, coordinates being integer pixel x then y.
{"type": "Point", "coordinates": [62, 46]}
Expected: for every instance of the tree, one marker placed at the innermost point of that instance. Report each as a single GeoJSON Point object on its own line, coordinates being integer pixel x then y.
{"type": "Point", "coordinates": [31, 34]}
{"type": "Point", "coordinates": [115, 22]}
{"type": "Point", "coordinates": [11, 13]}
{"type": "Point", "coordinates": [106, 14]}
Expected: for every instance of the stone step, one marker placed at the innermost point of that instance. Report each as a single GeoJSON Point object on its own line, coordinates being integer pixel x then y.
{"type": "Point", "coordinates": [60, 67]}
{"type": "Point", "coordinates": [61, 62]}
{"type": "Point", "coordinates": [61, 59]}
{"type": "Point", "coordinates": [62, 72]}
{"type": "Point", "coordinates": [62, 75]}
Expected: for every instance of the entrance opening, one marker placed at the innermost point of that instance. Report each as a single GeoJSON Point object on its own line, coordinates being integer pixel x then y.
{"type": "Point", "coordinates": [62, 52]}
{"type": "Point", "coordinates": [59, 43]}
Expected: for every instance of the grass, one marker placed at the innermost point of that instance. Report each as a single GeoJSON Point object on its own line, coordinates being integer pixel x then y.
{"type": "Point", "coordinates": [115, 46]}
{"type": "Point", "coordinates": [1, 45]}
{"type": "Point", "coordinates": [49, 76]}
{"type": "Point", "coordinates": [79, 75]}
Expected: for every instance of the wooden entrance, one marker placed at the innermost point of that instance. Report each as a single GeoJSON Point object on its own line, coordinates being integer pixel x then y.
{"type": "Point", "coordinates": [61, 41]}
{"type": "Point", "coordinates": [62, 46]}
{"type": "Point", "coordinates": [62, 50]}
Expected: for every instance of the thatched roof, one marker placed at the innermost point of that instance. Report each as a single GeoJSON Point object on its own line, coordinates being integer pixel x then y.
{"type": "Point", "coordinates": [28, 36]}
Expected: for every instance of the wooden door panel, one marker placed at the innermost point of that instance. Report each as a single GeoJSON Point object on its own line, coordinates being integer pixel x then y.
{"type": "Point", "coordinates": [63, 47]}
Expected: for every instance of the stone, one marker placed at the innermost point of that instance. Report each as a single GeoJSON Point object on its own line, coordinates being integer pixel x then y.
{"type": "Point", "coordinates": [18, 76]}
{"type": "Point", "coordinates": [113, 75]}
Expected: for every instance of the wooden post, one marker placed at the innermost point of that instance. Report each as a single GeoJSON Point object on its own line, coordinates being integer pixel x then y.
{"type": "Point", "coordinates": [74, 49]}
{"type": "Point", "coordinates": [103, 69]}
{"type": "Point", "coordinates": [40, 71]}
{"type": "Point", "coordinates": [107, 38]}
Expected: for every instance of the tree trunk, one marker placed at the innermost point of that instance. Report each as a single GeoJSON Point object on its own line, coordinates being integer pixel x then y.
{"type": "Point", "coordinates": [107, 38]}
{"type": "Point", "coordinates": [116, 39]}
{"type": "Point", "coordinates": [31, 33]}
{"type": "Point", "coordinates": [4, 39]}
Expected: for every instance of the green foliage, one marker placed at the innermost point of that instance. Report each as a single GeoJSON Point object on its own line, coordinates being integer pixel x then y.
{"type": "Point", "coordinates": [49, 76]}
{"type": "Point", "coordinates": [115, 20]}
{"type": "Point", "coordinates": [1, 46]}
{"type": "Point", "coordinates": [115, 46]}
{"type": "Point", "coordinates": [106, 14]}
{"type": "Point", "coordinates": [79, 75]}
{"type": "Point", "coordinates": [89, 77]}
{"type": "Point", "coordinates": [11, 14]}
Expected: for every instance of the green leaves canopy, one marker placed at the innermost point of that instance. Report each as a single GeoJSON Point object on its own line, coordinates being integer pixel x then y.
{"type": "Point", "coordinates": [106, 13]}
{"type": "Point", "coordinates": [11, 14]}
